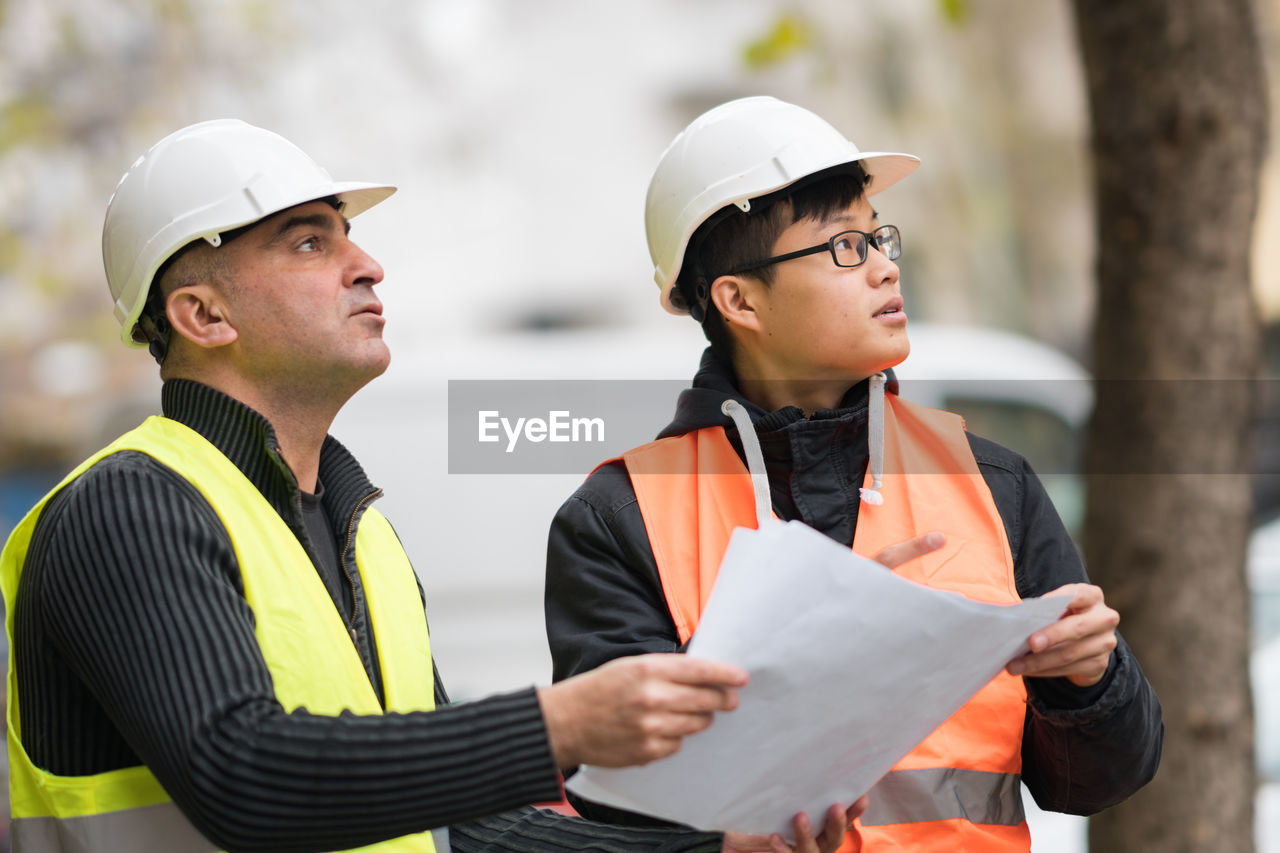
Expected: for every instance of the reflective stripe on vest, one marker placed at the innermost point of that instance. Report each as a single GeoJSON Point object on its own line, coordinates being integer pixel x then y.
{"type": "Point", "coordinates": [914, 796]}
{"type": "Point", "coordinates": [302, 637]}
{"type": "Point", "coordinates": [159, 827]}
{"type": "Point", "coordinates": [959, 788]}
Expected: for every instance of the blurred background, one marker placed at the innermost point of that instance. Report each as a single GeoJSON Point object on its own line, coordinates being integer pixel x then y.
{"type": "Point", "coordinates": [522, 135]}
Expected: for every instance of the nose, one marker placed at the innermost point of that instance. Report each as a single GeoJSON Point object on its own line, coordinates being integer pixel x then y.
{"type": "Point", "coordinates": [363, 269]}
{"type": "Point", "coordinates": [880, 270]}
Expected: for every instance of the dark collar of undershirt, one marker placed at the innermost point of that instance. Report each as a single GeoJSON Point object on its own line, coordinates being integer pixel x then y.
{"type": "Point", "coordinates": [324, 548]}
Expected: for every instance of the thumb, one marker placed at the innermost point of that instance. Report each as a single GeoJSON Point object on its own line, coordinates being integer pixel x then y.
{"type": "Point", "coordinates": [896, 555]}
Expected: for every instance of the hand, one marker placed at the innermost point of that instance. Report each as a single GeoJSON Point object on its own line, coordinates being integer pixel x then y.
{"type": "Point", "coordinates": [634, 710]}
{"type": "Point", "coordinates": [1078, 646]}
{"type": "Point", "coordinates": [838, 823]}
{"type": "Point", "coordinates": [903, 552]}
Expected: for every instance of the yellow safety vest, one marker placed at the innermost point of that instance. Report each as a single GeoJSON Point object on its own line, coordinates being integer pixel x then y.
{"type": "Point", "coordinates": [306, 646]}
{"type": "Point", "coordinates": [959, 788]}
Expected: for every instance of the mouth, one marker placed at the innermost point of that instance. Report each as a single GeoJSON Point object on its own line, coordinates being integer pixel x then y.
{"type": "Point", "coordinates": [374, 308]}
{"type": "Point", "coordinates": [891, 309]}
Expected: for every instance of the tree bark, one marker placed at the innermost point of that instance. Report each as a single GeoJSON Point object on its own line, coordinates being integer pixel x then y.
{"type": "Point", "coordinates": [1179, 118]}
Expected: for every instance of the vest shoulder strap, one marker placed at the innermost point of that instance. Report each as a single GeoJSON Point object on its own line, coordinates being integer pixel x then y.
{"type": "Point", "coordinates": [693, 491]}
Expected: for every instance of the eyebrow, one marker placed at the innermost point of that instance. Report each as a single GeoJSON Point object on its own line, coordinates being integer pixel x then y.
{"type": "Point", "coordinates": [320, 221]}
{"type": "Point", "coordinates": [845, 219]}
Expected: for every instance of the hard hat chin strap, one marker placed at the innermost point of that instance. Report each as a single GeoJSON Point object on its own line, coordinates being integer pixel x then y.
{"type": "Point", "coordinates": [696, 288]}
{"type": "Point", "coordinates": [701, 294]}
{"type": "Point", "coordinates": [155, 329]}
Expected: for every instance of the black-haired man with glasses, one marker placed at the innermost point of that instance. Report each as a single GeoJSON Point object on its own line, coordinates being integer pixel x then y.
{"type": "Point", "coordinates": [761, 227]}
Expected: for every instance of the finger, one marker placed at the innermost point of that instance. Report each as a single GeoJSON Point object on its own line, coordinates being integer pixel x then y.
{"type": "Point", "coordinates": [1085, 662]}
{"type": "Point", "coordinates": [675, 725]}
{"type": "Point", "coordinates": [859, 806]}
{"type": "Point", "coordinates": [1063, 654]}
{"type": "Point", "coordinates": [805, 842]}
{"type": "Point", "coordinates": [1083, 674]}
{"type": "Point", "coordinates": [854, 812]}
{"type": "Point", "coordinates": [1098, 620]}
{"type": "Point", "coordinates": [683, 669]}
{"type": "Point", "coordinates": [834, 828]}
{"type": "Point", "coordinates": [737, 842]}
{"type": "Point", "coordinates": [681, 698]}
{"type": "Point", "coordinates": [1051, 634]}
{"type": "Point", "coordinates": [1063, 661]}
{"type": "Point", "coordinates": [896, 555]}
{"type": "Point", "coordinates": [649, 749]}
{"type": "Point", "coordinates": [1083, 595]}
{"type": "Point", "coordinates": [1080, 635]}
{"type": "Point", "coordinates": [1087, 635]}
{"type": "Point", "coordinates": [1083, 670]}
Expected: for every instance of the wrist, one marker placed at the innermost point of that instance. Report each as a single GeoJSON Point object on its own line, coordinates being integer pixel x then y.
{"type": "Point", "coordinates": [561, 733]}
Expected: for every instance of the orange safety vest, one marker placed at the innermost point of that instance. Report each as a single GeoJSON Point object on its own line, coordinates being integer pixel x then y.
{"type": "Point", "coordinates": [959, 788]}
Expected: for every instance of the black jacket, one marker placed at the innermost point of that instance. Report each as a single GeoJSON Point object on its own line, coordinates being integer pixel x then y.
{"type": "Point", "coordinates": [134, 644]}
{"type": "Point", "coordinates": [1083, 749]}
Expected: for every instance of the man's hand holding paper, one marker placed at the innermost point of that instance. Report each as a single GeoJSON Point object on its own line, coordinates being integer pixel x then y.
{"type": "Point", "coordinates": [838, 821]}
{"type": "Point", "coordinates": [828, 840]}
{"type": "Point", "coordinates": [1078, 646]}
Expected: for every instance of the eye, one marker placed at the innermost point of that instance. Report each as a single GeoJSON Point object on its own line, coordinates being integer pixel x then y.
{"type": "Point", "coordinates": [310, 244]}
{"type": "Point", "coordinates": [844, 243]}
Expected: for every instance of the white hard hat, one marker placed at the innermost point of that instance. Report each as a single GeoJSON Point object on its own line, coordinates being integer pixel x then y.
{"type": "Point", "coordinates": [736, 152]}
{"type": "Point", "coordinates": [199, 182]}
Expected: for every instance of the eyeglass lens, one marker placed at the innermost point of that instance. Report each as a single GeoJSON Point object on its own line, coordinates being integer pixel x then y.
{"type": "Point", "coordinates": [849, 248]}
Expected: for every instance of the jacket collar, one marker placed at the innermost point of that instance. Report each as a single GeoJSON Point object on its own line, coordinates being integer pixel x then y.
{"type": "Point", "coordinates": [699, 406]}
{"type": "Point", "coordinates": [815, 464]}
{"type": "Point", "coordinates": [247, 439]}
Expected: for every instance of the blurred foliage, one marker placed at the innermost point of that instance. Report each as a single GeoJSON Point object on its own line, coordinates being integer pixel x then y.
{"type": "Point", "coordinates": [83, 83]}
{"type": "Point", "coordinates": [791, 34]}
{"type": "Point", "coordinates": [955, 11]}
{"type": "Point", "coordinates": [29, 117]}
{"type": "Point", "coordinates": [85, 86]}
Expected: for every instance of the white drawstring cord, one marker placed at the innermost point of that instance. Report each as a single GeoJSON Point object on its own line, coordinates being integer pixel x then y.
{"type": "Point", "coordinates": [755, 459]}
{"type": "Point", "coordinates": [875, 440]}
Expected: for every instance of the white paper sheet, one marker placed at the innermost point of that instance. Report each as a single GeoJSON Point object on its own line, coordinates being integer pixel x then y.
{"type": "Point", "coordinates": [851, 666]}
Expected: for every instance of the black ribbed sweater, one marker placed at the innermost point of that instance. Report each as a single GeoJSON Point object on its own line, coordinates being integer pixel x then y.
{"type": "Point", "coordinates": [134, 644]}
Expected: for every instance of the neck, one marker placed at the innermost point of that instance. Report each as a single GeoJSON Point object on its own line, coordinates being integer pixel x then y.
{"type": "Point", "coordinates": [299, 418]}
{"type": "Point", "coordinates": [301, 435]}
{"type": "Point", "coordinates": [773, 385]}
{"type": "Point", "coordinates": [808, 395]}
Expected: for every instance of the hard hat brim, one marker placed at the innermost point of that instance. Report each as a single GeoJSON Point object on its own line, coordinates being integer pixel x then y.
{"type": "Point", "coordinates": [359, 197]}
{"type": "Point", "coordinates": [886, 168]}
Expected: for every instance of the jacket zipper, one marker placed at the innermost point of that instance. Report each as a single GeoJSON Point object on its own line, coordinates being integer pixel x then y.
{"type": "Point", "coordinates": [346, 548]}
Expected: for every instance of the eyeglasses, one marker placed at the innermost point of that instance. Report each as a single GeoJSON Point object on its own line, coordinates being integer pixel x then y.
{"type": "Point", "coordinates": [848, 249]}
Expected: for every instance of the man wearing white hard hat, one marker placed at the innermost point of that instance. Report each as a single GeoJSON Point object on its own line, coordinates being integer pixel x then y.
{"type": "Point", "coordinates": [761, 226]}
{"type": "Point", "coordinates": [217, 640]}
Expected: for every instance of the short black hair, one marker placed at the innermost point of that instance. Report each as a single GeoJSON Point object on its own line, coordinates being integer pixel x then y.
{"type": "Point", "coordinates": [731, 238]}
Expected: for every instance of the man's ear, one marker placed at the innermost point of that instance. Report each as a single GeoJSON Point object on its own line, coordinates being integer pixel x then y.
{"type": "Point", "coordinates": [199, 312]}
{"type": "Point", "coordinates": [735, 297]}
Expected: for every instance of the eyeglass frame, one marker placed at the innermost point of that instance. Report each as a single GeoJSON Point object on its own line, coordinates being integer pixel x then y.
{"type": "Point", "coordinates": [829, 245]}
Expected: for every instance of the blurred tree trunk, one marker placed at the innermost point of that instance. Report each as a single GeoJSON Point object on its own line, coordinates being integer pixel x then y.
{"type": "Point", "coordinates": [1179, 121]}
